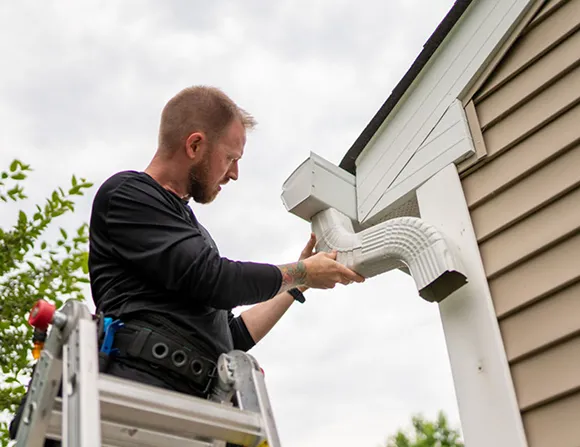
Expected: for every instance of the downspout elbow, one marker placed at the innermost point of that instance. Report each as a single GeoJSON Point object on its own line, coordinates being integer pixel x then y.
{"type": "Point", "coordinates": [396, 243]}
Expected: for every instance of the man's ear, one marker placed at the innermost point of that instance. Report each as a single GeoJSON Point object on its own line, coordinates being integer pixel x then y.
{"type": "Point", "coordinates": [194, 145]}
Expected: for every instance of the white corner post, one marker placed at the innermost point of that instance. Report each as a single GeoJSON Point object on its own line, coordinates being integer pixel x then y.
{"type": "Point", "coordinates": [484, 388]}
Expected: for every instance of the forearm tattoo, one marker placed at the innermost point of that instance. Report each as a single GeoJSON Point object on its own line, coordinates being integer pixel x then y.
{"type": "Point", "coordinates": [293, 275]}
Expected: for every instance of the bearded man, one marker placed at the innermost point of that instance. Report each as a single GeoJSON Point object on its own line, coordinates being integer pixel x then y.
{"type": "Point", "coordinates": [156, 268]}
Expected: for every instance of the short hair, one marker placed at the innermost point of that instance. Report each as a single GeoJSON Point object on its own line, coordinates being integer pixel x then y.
{"type": "Point", "coordinates": [199, 108]}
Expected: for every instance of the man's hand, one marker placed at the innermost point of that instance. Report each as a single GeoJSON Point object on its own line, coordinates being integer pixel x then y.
{"type": "Point", "coordinates": [318, 271]}
{"type": "Point", "coordinates": [309, 249]}
{"type": "Point", "coordinates": [323, 272]}
{"type": "Point", "coordinates": [307, 252]}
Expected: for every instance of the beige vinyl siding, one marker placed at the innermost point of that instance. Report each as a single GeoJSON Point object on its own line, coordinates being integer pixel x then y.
{"type": "Point", "coordinates": [523, 194]}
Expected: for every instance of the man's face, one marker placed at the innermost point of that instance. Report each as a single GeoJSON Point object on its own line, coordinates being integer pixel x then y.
{"type": "Point", "coordinates": [219, 164]}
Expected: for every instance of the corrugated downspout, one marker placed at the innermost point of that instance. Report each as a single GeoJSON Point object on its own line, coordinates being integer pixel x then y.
{"type": "Point", "coordinates": [325, 195]}
{"type": "Point", "coordinates": [396, 243]}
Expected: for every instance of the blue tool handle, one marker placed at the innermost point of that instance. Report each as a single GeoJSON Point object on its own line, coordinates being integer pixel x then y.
{"type": "Point", "coordinates": [110, 327]}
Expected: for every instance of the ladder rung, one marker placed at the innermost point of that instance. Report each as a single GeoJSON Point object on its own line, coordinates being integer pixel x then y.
{"type": "Point", "coordinates": [132, 412]}
{"type": "Point", "coordinates": [118, 435]}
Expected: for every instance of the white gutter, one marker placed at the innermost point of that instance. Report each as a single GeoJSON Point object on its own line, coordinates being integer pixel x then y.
{"type": "Point", "coordinates": [325, 195]}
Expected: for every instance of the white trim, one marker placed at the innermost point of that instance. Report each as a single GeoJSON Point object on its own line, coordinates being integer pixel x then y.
{"type": "Point", "coordinates": [483, 384]}
{"type": "Point", "coordinates": [459, 60]}
{"type": "Point", "coordinates": [449, 142]}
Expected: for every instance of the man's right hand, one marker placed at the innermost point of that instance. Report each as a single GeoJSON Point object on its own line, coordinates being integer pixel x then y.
{"type": "Point", "coordinates": [323, 272]}
{"type": "Point", "coordinates": [319, 271]}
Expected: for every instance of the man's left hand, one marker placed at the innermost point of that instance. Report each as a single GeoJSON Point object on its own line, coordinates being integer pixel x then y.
{"type": "Point", "coordinates": [306, 253]}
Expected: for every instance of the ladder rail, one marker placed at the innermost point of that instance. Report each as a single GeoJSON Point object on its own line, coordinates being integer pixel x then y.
{"type": "Point", "coordinates": [250, 390]}
{"type": "Point", "coordinates": [43, 388]}
{"type": "Point", "coordinates": [81, 405]}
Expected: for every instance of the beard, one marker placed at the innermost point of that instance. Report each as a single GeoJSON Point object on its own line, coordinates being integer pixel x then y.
{"type": "Point", "coordinates": [199, 188]}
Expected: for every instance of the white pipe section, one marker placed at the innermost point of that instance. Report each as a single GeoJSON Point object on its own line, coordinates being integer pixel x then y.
{"type": "Point", "coordinates": [395, 243]}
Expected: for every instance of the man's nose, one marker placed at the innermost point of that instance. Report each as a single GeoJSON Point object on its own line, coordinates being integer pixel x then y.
{"type": "Point", "coordinates": [233, 172]}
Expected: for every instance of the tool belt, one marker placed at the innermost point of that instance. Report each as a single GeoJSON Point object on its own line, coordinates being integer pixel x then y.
{"type": "Point", "coordinates": [169, 357]}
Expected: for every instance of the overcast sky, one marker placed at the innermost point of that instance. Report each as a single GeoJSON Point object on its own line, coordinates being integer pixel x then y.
{"type": "Point", "coordinates": [82, 85]}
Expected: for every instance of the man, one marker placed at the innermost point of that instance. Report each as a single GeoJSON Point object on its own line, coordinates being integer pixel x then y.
{"type": "Point", "coordinates": [155, 267]}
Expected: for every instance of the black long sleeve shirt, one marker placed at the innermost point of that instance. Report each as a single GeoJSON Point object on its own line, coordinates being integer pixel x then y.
{"type": "Point", "coordinates": [148, 254]}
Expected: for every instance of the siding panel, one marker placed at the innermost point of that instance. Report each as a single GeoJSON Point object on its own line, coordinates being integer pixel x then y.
{"type": "Point", "coordinates": [528, 195]}
{"type": "Point", "coordinates": [531, 235]}
{"type": "Point", "coordinates": [524, 200]}
{"type": "Point", "coordinates": [537, 323]}
{"type": "Point", "coordinates": [535, 43]}
{"type": "Point", "coordinates": [527, 84]}
{"type": "Point", "coordinates": [554, 425]}
{"type": "Point", "coordinates": [548, 375]}
{"type": "Point", "coordinates": [540, 276]}
{"type": "Point", "coordinates": [549, 7]}
{"type": "Point", "coordinates": [500, 173]}
{"type": "Point", "coordinates": [536, 113]}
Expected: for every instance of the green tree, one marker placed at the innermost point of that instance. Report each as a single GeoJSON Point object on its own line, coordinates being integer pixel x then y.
{"type": "Point", "coordinates": [32, 268]}
{"type": "Point", "coordinates": [427, 434]}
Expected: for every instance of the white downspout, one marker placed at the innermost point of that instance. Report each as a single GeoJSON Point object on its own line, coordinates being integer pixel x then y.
{"type": "Point", "coordinates": [395, 243]}
{"type": "Point", "coordinates": [325, 195]}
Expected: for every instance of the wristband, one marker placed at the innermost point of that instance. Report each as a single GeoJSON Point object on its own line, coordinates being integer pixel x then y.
{"type": "Point", "coordinates": [297, 294]}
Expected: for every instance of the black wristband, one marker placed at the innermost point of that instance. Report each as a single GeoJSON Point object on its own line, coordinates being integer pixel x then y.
{"type": "Point", "coordinates": [297, 294]}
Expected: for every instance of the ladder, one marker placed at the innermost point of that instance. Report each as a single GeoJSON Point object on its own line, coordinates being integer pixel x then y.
{"type": "Point", "coordinates": [97, 409]}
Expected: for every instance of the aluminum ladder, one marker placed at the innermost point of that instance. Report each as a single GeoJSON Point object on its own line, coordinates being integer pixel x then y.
{"type": "Point", "coordinates": [97, 409]}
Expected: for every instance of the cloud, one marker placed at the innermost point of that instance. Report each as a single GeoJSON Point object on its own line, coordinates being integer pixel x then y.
{"type": "Point", "coordinates": [83, 85]}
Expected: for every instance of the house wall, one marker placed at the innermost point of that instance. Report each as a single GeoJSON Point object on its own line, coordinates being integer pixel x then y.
{"type": "Point", "coordinates": [523, 193]}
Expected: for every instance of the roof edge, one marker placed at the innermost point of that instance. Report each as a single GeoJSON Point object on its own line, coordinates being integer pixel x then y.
{"type": "Point", "coordinates": [348, 162]}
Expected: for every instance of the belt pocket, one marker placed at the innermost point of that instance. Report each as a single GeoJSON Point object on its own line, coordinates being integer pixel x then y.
{"type": "Point", "coordinates": [160, 351]}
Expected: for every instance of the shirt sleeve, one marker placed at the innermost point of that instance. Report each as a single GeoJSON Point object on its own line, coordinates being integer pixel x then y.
{"type": "Point", "coordinates": [150, 235]}
{"type": "Point", "coordinates": [241, 336]}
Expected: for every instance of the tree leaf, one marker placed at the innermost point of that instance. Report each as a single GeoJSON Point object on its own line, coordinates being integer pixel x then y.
{"type": "Point", "coordinates": [22, 219]}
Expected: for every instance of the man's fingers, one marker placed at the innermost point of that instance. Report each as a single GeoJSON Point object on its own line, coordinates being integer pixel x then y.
{"type": "Point", "coordinates": [310, 245]}
{"type": "Point", "coordinates": [346, 273]}
{"type": "Point", "coordinates": [351, 275]}
{"type": "Point", "coordinates": [331, 255]}
{"type": "Point", "coordinates": [311, 242]}
{"type": "Point", "coordinates": [345, 281]}
{"type": "Point", "coordinates": [308, 250]}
